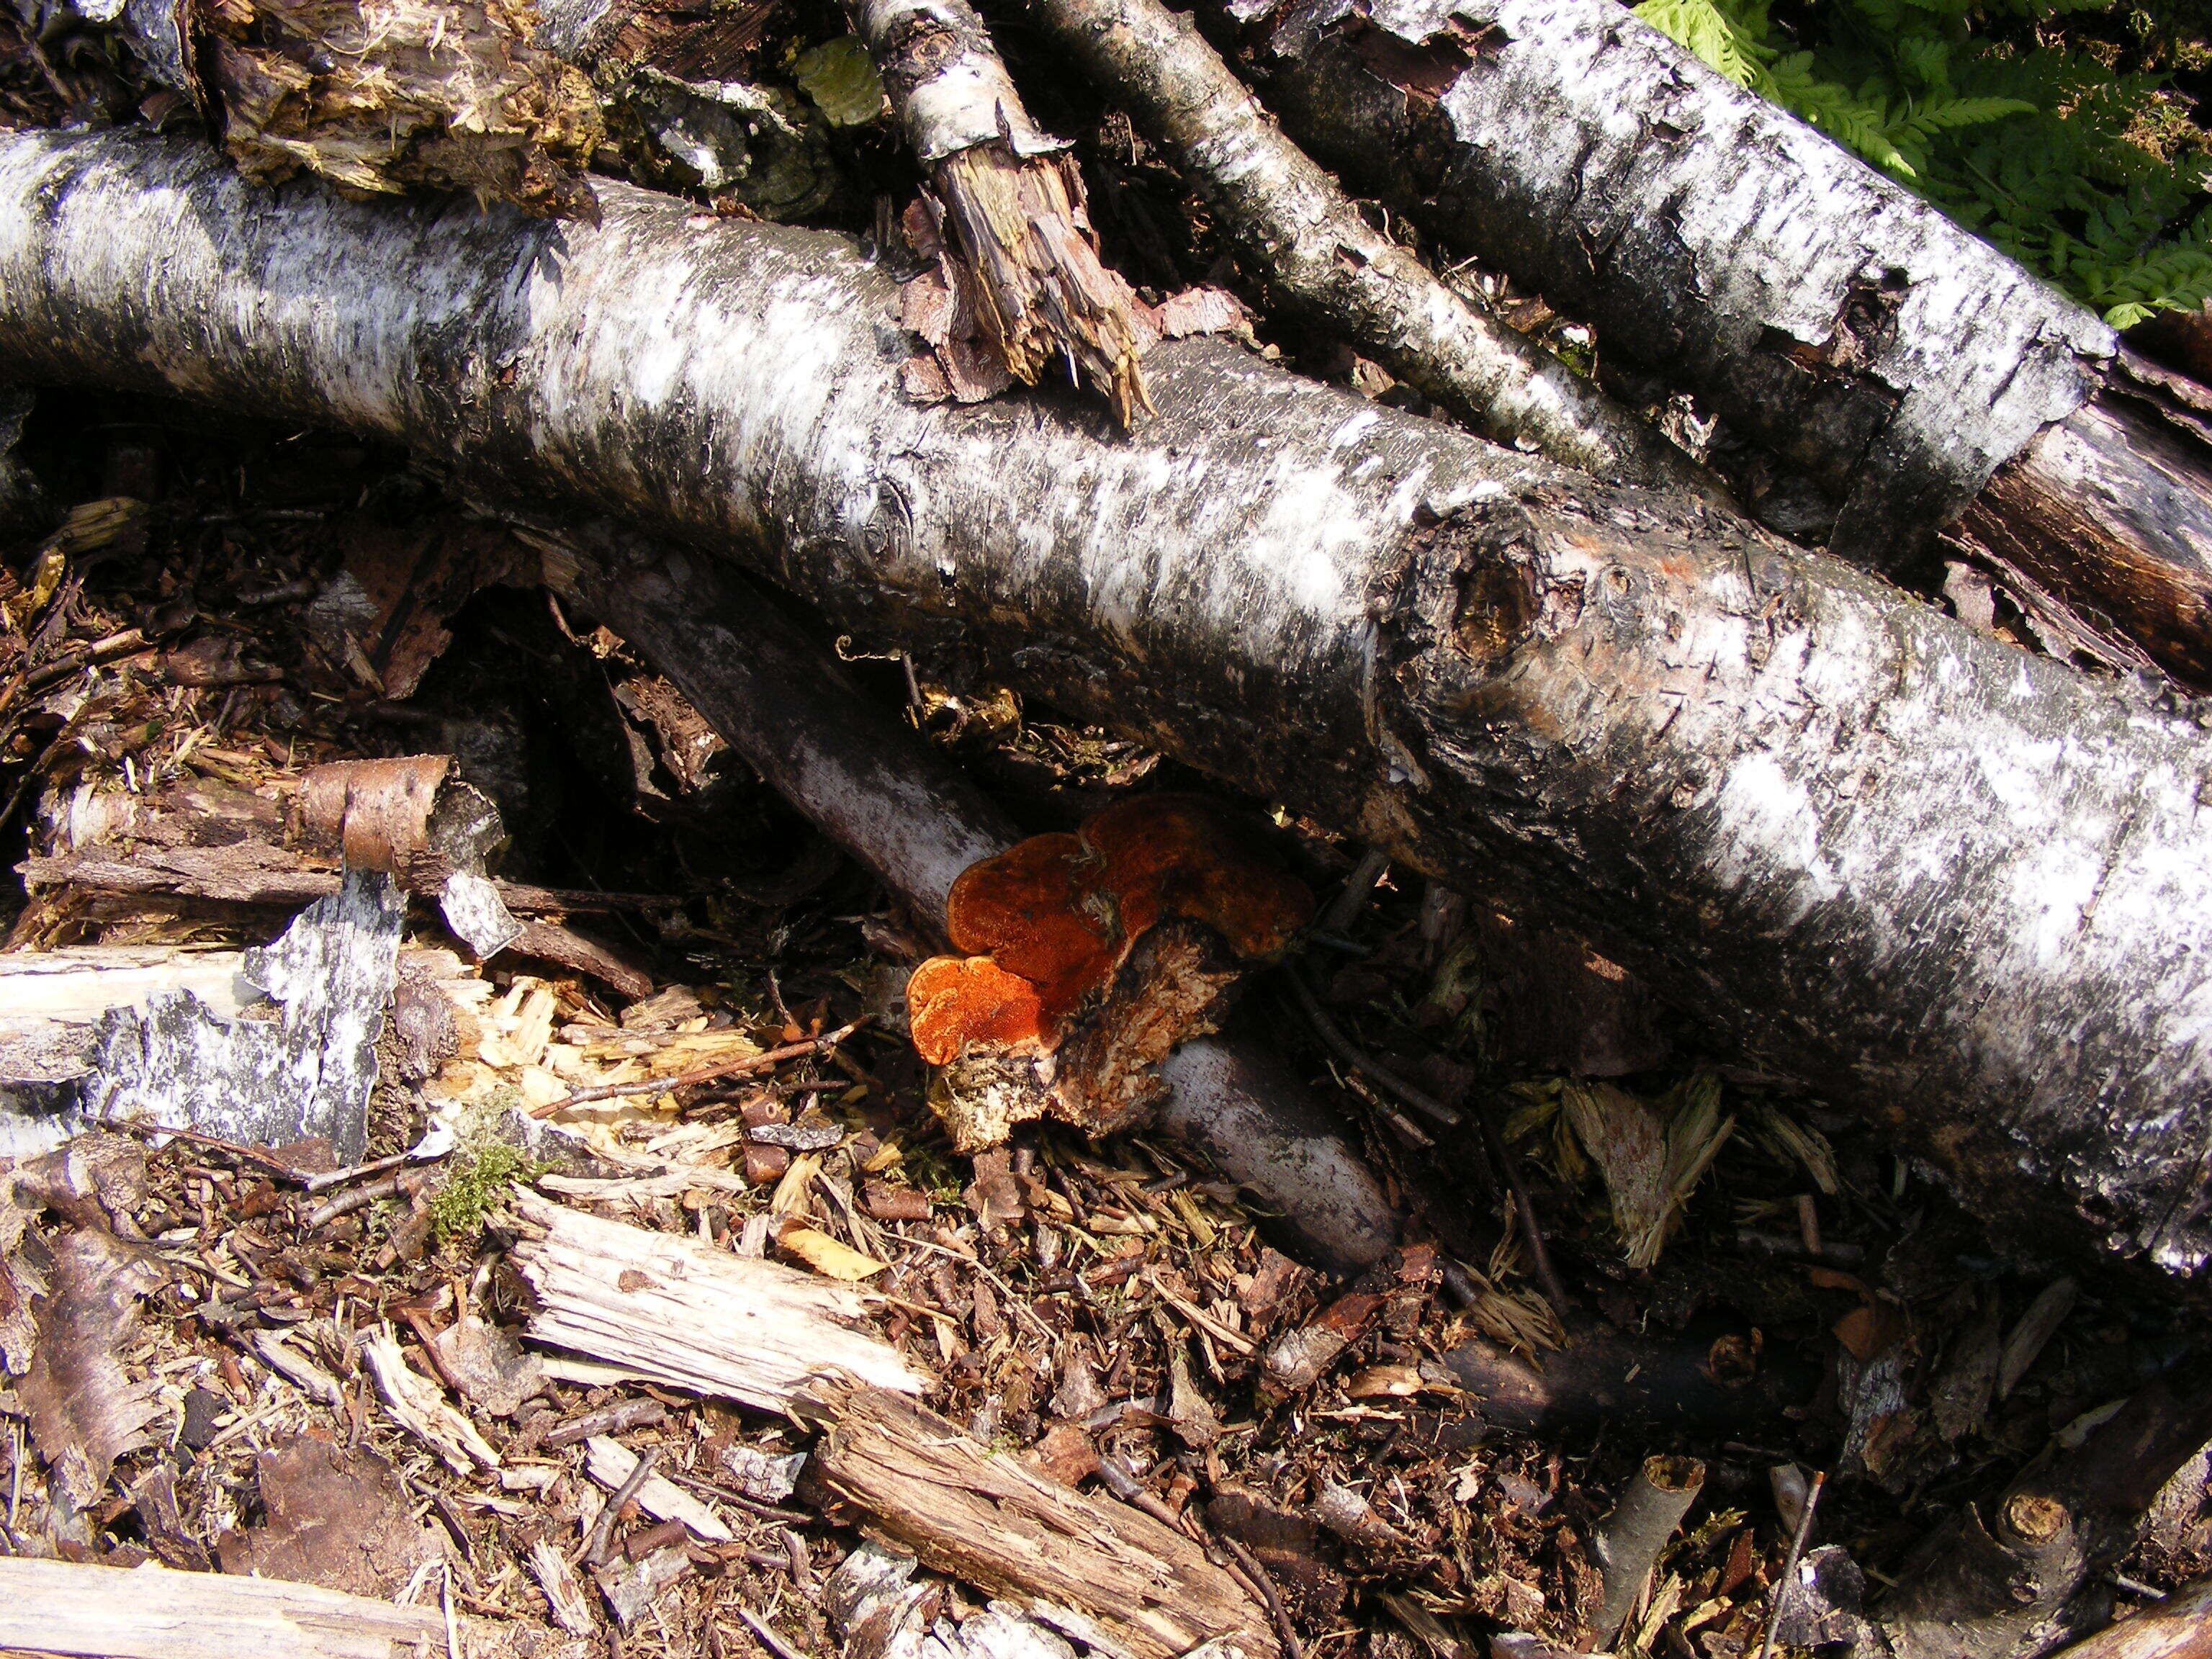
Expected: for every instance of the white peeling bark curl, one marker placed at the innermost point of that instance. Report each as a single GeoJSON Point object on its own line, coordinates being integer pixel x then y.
{"type": "Point", "coordinates": [1309, 242]}
{"type": "Point", "coordinates": [1966, 889]}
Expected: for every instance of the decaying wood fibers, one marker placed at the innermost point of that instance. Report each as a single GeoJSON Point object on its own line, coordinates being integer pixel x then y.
{"type": "Point", "coordinates": [1961, 887]}
{"type": "Point", "coordinates": [1824, 310]}
{"type": "Point", "coordinates": [1012, 199]}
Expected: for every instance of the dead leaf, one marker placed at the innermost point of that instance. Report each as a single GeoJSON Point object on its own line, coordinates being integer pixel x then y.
{"type": "Point", "coordinates": [85, 1410]}
{"type": "Point", "coordinates": [332, 1518]}
{"type": "Point", "coordinates": [825, 1254]}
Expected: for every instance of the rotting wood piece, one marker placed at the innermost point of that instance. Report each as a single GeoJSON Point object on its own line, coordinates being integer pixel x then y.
{"type": "Point", "coordinates": [1307, 240]}
{"type": "Point", "coordinates": [668, 1309]}
{"type": "Point", "coordinates": [153, 1613]}
{"type": "Point", "coordinates": [1009, 201]}
{"type": "Point", "coordinates": [1896, 359]}
{"type": "Point", "coordinates": [1882, 852]}
{"type": "Point", "coordinates": [997, 1523]}
{"type": "Point", "coordinates": [2178, 1627]}
{"type": "Point", "coordinates": [383, 97]}
{"type": "Point", "coordinates": [2031, 1574]}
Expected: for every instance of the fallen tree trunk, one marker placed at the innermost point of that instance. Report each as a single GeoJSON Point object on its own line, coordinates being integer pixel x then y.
{"type": "Point", "coordinates": [1919, 376]}
{"type": "Point", "coordinates": [917, 822]}
{"type": "Point", "coordinates": [1960, 886]}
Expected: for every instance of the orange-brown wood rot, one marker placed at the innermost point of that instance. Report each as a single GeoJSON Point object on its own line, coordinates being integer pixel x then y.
{"type": "Point", "coordinates": [1087, 959]}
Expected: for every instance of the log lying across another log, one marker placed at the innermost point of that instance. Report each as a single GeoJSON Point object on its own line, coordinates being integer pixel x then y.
{"type": "Point", "coordinates": [1961, 887]}
{"type": "Point", "coordinates": [1918, 375]}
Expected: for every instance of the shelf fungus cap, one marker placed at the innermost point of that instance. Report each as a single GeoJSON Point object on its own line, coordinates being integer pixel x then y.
{"type": "Point", "coordinates": [1035, 911]}
{"type": "Point", "coordinates": [1087, 959]}
{"type": "Point", "coordinates": [956, 1002]}
{"type": "Point", "coordinates": [1173, 856]}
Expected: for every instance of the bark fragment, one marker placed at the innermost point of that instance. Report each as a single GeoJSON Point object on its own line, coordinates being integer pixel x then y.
{"type": "Point", "coordinates": [673, 1311]}
{"type": "Point", "coordinates": [1009, 201]}
{"type": "Point", "coordinates": [84, 1409]}
{"type": "Point", "coordinates": [152, 1613]}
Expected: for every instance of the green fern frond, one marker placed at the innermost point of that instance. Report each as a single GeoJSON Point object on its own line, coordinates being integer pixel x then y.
{"type": "Point", "coordinates": [2095, 179]}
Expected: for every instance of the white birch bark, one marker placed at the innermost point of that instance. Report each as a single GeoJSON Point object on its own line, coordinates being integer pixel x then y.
{"type": "Point", "coordinates": [1309, 242]}
{"type": "Point", "coordinates": [1822, 308]}
{"type": "Point", "coordinates": [1966, 889]}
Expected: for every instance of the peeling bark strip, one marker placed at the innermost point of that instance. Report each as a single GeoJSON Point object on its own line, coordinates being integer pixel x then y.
{"type": "Point", "coordinates": [1305, 238]}
{"type": "Point", "coordinates": [997, 1523]}
{"type": "Point", "coordinates": [1964, 888]}
{"type": "Point", "coordinates": [1011, 198]}
{"type": "Point", "coordinates": [1824, 310]}
{"type": "Point", "coordinates": [889, 799]}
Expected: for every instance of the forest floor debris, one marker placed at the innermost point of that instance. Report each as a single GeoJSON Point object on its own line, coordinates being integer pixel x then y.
{"type": "Point", "coordinates": [475, 1365]}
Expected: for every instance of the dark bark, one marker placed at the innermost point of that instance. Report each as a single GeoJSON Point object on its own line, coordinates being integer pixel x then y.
{"type": "Point", "coordinates": [1850, 327]}
{"type": "Point", "coordinates": [2031, 1574]}
{"type": "Point", "coordinates": [1960, 886]}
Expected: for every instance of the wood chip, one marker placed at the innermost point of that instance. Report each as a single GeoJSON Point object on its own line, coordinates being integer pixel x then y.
{"type": "Point", "coordinates": [609, 1462]}
{"type": "Point", "coordinates": [671, 1310]}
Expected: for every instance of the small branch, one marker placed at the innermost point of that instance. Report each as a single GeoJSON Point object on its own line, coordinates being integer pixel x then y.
{"type": "Point", "coordinates": [1788, 1579]}
{"type": "Point", "coordinates": [1299, 230]}
{"type": "Point", "coordinates": [662, 1085]}
{"type": "Point", "coordinates": [603, 1529]}
{"type": "Point", "coordinates": [1344, 1048]}
{"type": "Point", "coordinates": [1639, 1529]}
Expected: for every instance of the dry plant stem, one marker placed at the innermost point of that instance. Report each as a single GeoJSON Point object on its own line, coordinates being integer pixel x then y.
{"type": "Point", "coordinates": [1878, 850]}
{"type": "Point", "coordinates": [1789, 1579]}
{"type": "Point", "coordinates": [1309, 242]}
{"type": "Point", "coordinates": [603, 1530]}
{"type": "Point", "coordinates": [1332, 1038]}
{"type": "Point", "coordinates": [661, 1085]}
{"type": "Point", "coordinates": [2178, 1627]}
{"type": "Point", "coordinates": [1012, 200]}
{"type": "Point", "coordinates": [1630, 1542]}
{"type": "Point", "coordinates": [1821, 308]}
{"type": "Point", "coordinates": [1507, 1165]}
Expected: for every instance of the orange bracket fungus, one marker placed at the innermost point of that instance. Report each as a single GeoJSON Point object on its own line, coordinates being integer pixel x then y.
{"type": "Point", "coordinates": [1085, 959]}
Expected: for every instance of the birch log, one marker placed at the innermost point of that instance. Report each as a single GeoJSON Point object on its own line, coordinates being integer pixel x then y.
{"type": "Point", "coordinates": [1916, 373]}
{"type": "Point", "coordinates": [1963, 888]}
{"type": "Point", "coordinates": [1310, 243]}
{"type": "Point", "coordinates": [871, 786]}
